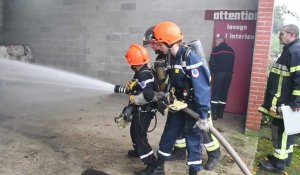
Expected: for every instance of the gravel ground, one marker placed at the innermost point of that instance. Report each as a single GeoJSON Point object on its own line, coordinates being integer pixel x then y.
{"type": "Point", "coordinates": [62, 131]}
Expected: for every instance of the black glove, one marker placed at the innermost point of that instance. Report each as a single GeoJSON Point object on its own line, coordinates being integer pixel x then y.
{"type": "Point", "coordinates": [162, 105]}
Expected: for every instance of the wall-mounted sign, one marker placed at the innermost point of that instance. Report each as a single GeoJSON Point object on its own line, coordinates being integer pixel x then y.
{"type": "Point", "coordinates": [231, 15]}
{"type": "Point", "coordinates": [238, 28]}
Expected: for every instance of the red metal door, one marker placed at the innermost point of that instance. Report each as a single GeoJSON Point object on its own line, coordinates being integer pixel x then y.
{"type": "Point", "coordinates": [240, 36]}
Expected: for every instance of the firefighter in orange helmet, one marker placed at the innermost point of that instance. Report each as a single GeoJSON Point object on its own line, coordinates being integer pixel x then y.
{"type": "Point", "coordinates": [190, 78]}
{"type": "Point", "coordinates": [144, 107]}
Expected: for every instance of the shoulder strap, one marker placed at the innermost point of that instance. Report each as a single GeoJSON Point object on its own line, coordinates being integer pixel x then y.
{"type": "Point", "coordinates": [156, 84]}
{"type": "Point", "coordinates": [184, 57]}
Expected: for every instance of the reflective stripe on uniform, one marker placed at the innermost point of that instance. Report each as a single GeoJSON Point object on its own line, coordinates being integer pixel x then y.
{"type": "Point", "coordinates": [164, 154]}
{"type": "Point", "coordinates": [282, 152]}
{"type": "Point", "coordinates": [146, 155]}
{"type": "Point", "coordinates": [295, 69]}
{"type": "Point", "coordinates": [290, 150]}
{"type": "Point", "coordinates": [213, 145]}
{"type": "Point", "coordinates": [178, 67]}
{"type": "Point", "coordinates": [222, 102]}
{"type": "Point", "coordinates": [263, 110]}
{"type": "Point", "coordinates": [143, 84]}
{"type": "Point", "coordinates": [180, 143]}
{"type": "Point", "coordinates": [280, 72]}
{"type": "Point", "coordinates": [195, 162]}
{"type": "Point", "coordinates": [280, 66]}
{"type": "Point", "coordinates": [193, 66]}
{"type": "Point", "coordinates": [214, 102]}
{"type": "Point", "coordinates": [278, 94]}
{"type": "Point", "coordinates": [296, 92]}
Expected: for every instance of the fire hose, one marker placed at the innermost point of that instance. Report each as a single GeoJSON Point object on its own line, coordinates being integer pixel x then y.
{"type": "Point", "coordinates": [181, 106]}
{"type": "Point", "coordinates": [223, 141]}
{"type": "Point", "coordinates": [176, 105]}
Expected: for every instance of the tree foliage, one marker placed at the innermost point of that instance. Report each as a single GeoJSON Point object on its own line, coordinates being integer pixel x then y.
{"type": "Point", "coordinates": [276, 48]}
{"type": "Point", "coordinates": [278, 17]}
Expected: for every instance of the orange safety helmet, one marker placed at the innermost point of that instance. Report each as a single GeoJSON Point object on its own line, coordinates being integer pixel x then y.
{"type": "Point", "coordinates": [137, 55]}
{"type": "Point", "coordinates": [167, 32]}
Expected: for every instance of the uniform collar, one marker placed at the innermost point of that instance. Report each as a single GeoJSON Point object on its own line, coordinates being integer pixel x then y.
{"type": "Point", "coordinates": [291, 43]}
{"type": "Point", "coordinates": [180, 52]}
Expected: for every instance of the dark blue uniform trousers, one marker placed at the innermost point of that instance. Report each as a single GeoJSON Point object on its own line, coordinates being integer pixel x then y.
{"type": "Point", "coordinates": [138, 132]}
{"type": "Point", "coordinates": [175, 124]}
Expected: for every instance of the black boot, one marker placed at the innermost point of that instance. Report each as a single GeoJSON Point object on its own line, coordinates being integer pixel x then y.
{"type": "Point", "coordinates": [213, 110]}
{"type": "Point", "coordinates": [211, 163]}
{"type": "Point", "coordinates": [213, 159]}
{"type": "Point", "coordinates": [193, 172]}
{"type": "Point", "coordinates": [267, 166]}
{"type": "Point", "coordinates": [178, 154]}
{"type": "Point", "coordinates": [220, 113]}
{"type": "Point", "coordinates": [159, 169]}
{"type": "Point", "coordinates": [214, 114]}
{"type": "Point", "coordinates": [148, 170]}
{"type": "Point", "coordinates": [133, 153]}
{"type": "Point", "coordinates": [288, 161]}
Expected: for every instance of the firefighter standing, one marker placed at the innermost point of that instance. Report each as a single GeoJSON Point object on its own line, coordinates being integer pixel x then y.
{"type": "Point", "coordinates": [179, 151]}
{"type": "Point", "coordinates": [211, 144]}
{"type": "Point", "coordinates": [221, 67]}
{"type": "Point", "coordinates": [190, 79]}
{"type": "Point", "coordinates": [283, 87]}
{"type": "Point", "coordinates": [144, 109]}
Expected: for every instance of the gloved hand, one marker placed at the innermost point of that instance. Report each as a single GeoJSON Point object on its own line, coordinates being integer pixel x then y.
{"type": "Point", "coordinates": [121, 122]}
{"type": "Point", "coordinates": [177, 105]}
{"type": "Point", "coordinates": [131, 99]}
{"type": "Point", "coordinates": [202, 124]}
{"type": "Point", "coordinates": [131, 84]}
{"type": "Point", "coordinates": [162, 106]}
{"type": "Point", "coordinates": [273, 111]}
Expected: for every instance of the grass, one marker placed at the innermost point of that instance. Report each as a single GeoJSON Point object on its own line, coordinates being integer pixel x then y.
{"type": "Point", "coordinates": [265, 147]}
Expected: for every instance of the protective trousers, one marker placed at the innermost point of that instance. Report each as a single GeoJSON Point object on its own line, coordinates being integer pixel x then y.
{"type": "Point", "coordinates": [282, 144]}
{"type": "Point", "coordinates": [221, 84]}
{"type": "Point", "coordinates": [138, 132]}
{"type": "Point", "coordinates": [211, 143]}
{"type": "Point", "coordinates": [193, 136]}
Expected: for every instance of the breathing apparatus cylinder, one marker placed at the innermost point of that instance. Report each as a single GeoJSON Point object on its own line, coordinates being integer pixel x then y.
{"type": "Point", "coordinates": [159, 67]}
{"type": "Point", "coordinates": [198, 49]}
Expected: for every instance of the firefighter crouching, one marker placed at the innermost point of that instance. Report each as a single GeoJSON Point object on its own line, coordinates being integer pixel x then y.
{"type": "Point", "coordinates": [142, 89]}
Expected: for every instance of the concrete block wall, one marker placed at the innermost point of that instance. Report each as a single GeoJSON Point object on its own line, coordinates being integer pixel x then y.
{"type": "Point", "coordinates": [91, 37]}
{"type": "Point", "coordinates": [1, 21]}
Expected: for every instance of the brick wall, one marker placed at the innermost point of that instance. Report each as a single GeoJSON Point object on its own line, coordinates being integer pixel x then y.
{"type": "Point", "coordinates": [260, 63]}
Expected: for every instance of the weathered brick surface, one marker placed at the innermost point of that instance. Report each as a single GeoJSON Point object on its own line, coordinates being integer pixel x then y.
{"type": "Point", "coordinates": [260, 63]}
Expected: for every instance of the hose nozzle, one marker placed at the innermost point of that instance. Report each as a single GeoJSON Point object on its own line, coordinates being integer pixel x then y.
{"type": "Point", "coordinates": [120, 89]}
